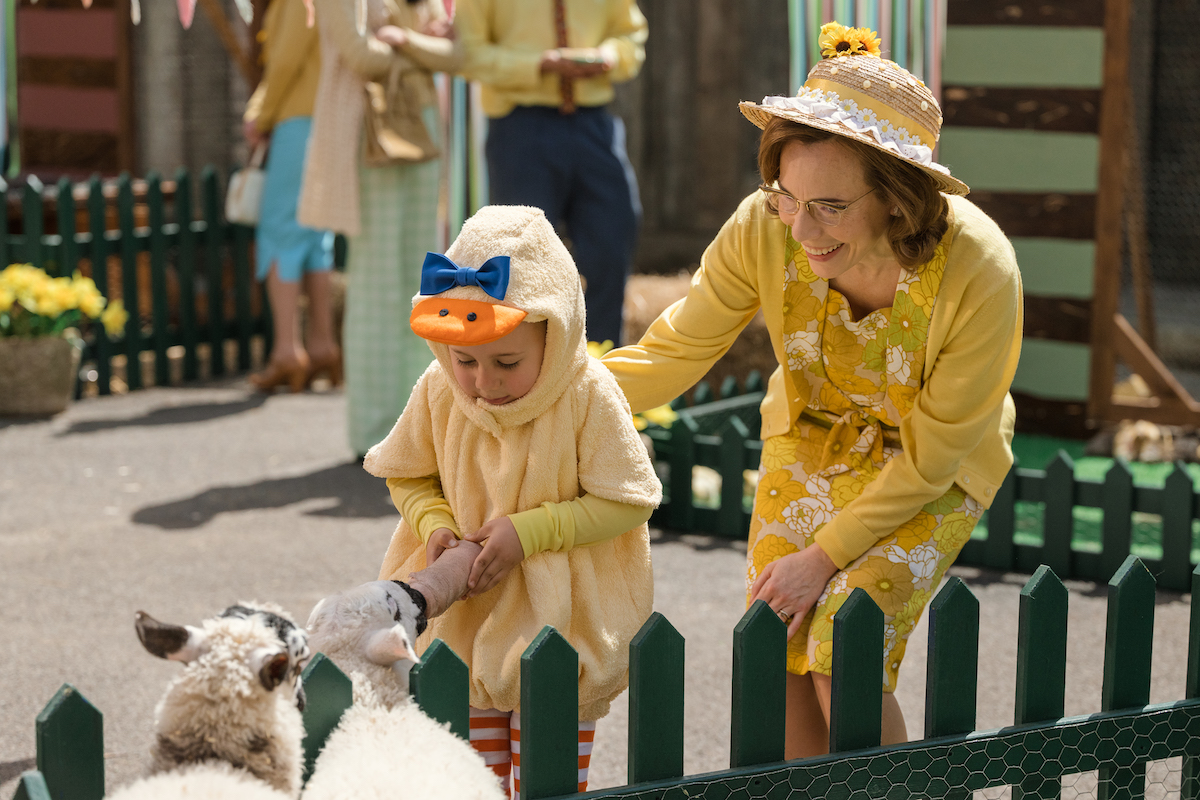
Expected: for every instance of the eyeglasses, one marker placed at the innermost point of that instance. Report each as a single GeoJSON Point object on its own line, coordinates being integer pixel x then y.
{"type": "Point", "coordinates": [825, 213]}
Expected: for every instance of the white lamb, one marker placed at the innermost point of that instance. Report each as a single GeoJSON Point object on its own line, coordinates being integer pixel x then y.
{"type": "Point", "coordinates": [237, 703]}
{"type": "Point", "coordinates": [379, 753]}
{"type": "Point", "coordinates": [385, 746]}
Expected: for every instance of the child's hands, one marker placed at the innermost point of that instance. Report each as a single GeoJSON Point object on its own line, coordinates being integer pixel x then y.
{"type": "Point", "coordinates": [439, 540]}
{"type": "Point", "coordinates": [502, 551]}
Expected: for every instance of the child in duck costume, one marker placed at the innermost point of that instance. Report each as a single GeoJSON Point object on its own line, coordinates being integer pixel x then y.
{"type": "Point", "coordinates": [517, 439]}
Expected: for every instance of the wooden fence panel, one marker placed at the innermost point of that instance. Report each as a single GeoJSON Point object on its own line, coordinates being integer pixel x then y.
{"type": "Point", "coordinates": [1002, 524]}
{"type": "Point", "coordinates": [328, 693]}
{"type": "Point", "coordinates": [952, 667]}
{"type": "Point", "coordinates": [32, 786]}
{"type": "Point", "coordinates": [681, 512]}
{"type": "Point", "coordinates": [99, 254]}
{"type": "Point", "coordinates": [759, 687]}
{"type": "Point", "coordinates": [70, 746]}
{"type": "Point", "coordinates": [857, 699]}
{"type": "Point", "coordinates": [441, 686]}
{"type": "Point", "coordinates": [1041, 669]}
{"type": "Point", "coordinates": [656, 674]}
{"type": "Point", "coordinates": [1177, 502]}
{"type": "Point", "coordinates": [243, 288]}
{"type": "Point", "coordinates": [160, 313]}
{"type": "Point", "coordinates": [129, 283]}
{"type": "Point", "coordinates": [213, 272]}
{"type": "Point", "coordinates": [1190, 784]}
{"type": "Point", "coordinates": [1117, 528]}
{"type": "Point", "coordinates": [32, 221]}
{"type": "Point", "coordinates": [189, 334]}
{"type": "Point", "coordinates": [68, 252]}
{"type": "Point", "coordinates": [1128, 644]}
{"type": "Point", "coordinates": [732, 517]}
{"type": "Point", "coordinates": [1058, 522]}
{"type": "Point", "coordinates": [549, 752]}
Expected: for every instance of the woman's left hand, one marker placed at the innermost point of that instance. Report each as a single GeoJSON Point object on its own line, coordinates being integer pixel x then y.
{"type": "Point", "coordinates": [392, 35]}
{"type": "Point", "coordinates": [792, 585]}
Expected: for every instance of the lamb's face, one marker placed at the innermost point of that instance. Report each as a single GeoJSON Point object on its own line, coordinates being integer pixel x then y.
{"type": "Point", "coordinates": [377, 621]}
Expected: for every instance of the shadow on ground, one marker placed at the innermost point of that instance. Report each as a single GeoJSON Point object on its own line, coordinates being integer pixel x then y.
{"type": "Point", "coordinates": [355, 494]}
{"type": "Point", "coordinates": [171, 415]}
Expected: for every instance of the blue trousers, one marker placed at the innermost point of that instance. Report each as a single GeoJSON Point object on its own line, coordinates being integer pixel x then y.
{"type": "Point", "coordinates": [574, 168]}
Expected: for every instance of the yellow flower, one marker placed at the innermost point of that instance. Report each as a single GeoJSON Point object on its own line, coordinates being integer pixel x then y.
{"type": "Point", "coordinates": [810, 443]}
{"type": "Point", "coordinates": [952, 499]}
{"type": "Point", "coordinates": [842, 349]}
{"type": "Point", "coordinates": [821, 627]}
{"type": "Point", "coordinates": [770, 549]}
{"type": "Point", "coordinates": [889, 584]}
{"type": "Point", "coordinates": [868, 40]}
{"type": "Point", "coordinates": [954, 532]}
{"type": "Point", "coordinates": [7, 298]}
{"type": "Point", "coordinates": [87, 296]}
{"type": "Point", "coordinates": [822, 660]}
{"type": "Point", "coordinates": [778, 452]}
{"type": "Point", "coordinates": [775, 491]}
{"type": "Point", "coordinates": [597, 349]}
{"type": "Point", "coordinates": [799, 306]}
{"type": "Point", "coordinates": [902, 397]}
{"type": "Point", "coordinates": [663, 416]}
{"type": "Point", "coordinates": [873, 357]}
{"type": "Point", "coordinates": [846, 487]}
{"type": "Point", "coordinates": [835, 40]}
{"type": "Point", "coordinates": [916, 531]}
{"type": "Point", "coordinates": [114, 317]}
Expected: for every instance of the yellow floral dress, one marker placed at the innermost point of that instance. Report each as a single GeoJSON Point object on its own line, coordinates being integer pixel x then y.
{"type": "Point", "coordinates": [864, 376]}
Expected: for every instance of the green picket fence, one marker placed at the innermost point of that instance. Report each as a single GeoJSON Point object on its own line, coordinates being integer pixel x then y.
{"type": "Point", "coordinates": [186, 278]}
{"type": "Point", "coordinates": [1033, 756]}
{"type": "Point", "coordinates": [722, 434]}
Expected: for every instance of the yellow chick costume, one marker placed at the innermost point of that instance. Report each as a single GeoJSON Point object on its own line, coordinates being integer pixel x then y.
{"type": "Point", "coordinates": [572, 435]}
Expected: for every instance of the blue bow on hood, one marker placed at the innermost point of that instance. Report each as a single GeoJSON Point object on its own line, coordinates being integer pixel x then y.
{"type": "Point", "coordinates": [439, 273]}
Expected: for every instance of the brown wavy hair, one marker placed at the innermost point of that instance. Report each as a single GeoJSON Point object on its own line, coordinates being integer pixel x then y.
{"type": "Point", "coordinates": [924, 213]}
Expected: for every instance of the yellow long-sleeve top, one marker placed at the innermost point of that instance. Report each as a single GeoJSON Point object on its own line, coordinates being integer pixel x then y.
{"type": "Point", "coordinates": [551, 527]}
{"type": "Point", "coordinates": [292, 67]}
{"type": "Point", "coordinates": [960, 427]}
{"type": "Point", "coordinates": [503, 42]}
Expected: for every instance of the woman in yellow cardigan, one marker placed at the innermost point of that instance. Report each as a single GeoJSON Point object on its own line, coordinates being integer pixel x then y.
{"type": "Point", "coordinates": [894, 308]}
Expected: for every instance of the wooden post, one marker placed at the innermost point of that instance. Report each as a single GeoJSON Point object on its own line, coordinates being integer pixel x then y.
{"type": "Point", "coordinates": [328, 693]}
{"type": "Point", "coordinates": [759, 687]}
{"type": "Point", "coordinates": [656, 659]}
{"type": "Point", "coordinates": [549, 717]}
{"type": "Point", "coordinates": [441, 686]}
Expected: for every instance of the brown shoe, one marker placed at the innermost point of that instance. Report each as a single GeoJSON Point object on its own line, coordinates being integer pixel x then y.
{"type": "Point", "coordinates": [292, 374]}
{"type": "Point", "coordinates": [329, 365]}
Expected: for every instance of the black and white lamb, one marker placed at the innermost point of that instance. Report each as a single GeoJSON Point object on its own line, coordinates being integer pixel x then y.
{"type": "Point", "coordinates": [237, 702]}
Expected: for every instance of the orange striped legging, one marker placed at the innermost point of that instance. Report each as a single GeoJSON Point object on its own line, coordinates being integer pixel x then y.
{"type": "Point", "coordinates": [496, 735]}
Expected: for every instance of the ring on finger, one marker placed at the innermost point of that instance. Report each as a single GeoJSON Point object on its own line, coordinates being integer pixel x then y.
{"type": "Point", "coordinates": [785, 617]}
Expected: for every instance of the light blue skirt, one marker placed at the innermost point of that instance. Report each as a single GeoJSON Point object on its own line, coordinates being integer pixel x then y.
{"type": "Point", "coordinates": [280, 240]}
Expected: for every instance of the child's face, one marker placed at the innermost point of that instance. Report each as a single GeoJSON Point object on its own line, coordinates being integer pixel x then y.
{"type": "Point", "coordinates": [502, 371]}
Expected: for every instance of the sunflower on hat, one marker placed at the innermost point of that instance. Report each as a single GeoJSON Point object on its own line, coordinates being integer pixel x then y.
{"type": "Point", "coordinates": [839, 40]}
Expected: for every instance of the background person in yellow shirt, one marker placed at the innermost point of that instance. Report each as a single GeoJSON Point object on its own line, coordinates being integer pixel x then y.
{"type": "Point", "coordinates": [894, 309]}
{"type": "Point", "coordinates": [547, 69]}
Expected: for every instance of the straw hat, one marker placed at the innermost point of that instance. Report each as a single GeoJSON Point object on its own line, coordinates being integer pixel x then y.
{"type": "Point", "coordinates": [855, 93]}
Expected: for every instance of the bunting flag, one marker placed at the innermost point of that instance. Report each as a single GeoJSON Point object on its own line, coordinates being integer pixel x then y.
{"type": "Point", "coordinates": [187, 11]}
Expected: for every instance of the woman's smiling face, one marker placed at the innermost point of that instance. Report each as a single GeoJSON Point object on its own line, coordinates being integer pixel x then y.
{"type": "Point", "coordinates": [830, 172]}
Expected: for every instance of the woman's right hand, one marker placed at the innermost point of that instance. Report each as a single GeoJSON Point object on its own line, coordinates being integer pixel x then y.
{"type": "Point", "coordinates": [439, 541]}
{"type": "Point", "coordinates": [252, 134]}
{"type": "Point", "coordinates": [392, 35]}
{"type": "Point", "coordinates": [792, 585]}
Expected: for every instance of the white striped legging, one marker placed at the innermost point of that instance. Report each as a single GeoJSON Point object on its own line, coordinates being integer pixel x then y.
{"type": "Point", "coordinates": [496, 735]}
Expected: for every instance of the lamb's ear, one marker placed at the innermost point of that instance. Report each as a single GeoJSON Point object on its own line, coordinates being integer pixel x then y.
{"type": "Point", "coordinates": [389, 645]}
{"type": "Point", "coordinates": [316, 612]}
{"type": "Point", "coordinates": [271, 665]}
{"type": "Point", "coordinates": [174, 642]}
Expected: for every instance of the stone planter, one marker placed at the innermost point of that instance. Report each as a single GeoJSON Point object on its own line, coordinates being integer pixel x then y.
{"type": "Point", "coordinates": [37, 376]}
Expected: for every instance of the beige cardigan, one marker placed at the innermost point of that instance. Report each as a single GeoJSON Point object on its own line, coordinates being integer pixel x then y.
{"type": "Point", "coordinates": [349, 57]}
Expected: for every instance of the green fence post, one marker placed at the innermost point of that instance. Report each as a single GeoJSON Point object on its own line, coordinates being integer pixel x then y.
{"type": "Point", "coordinates": [158, 277]}
{"type": "Point", "coordinates": [1058, 522]}
{"type": "Point", "coordinates": [1190, 788]}
{"type": "Point", "coordinates": [703, 394]}
{"type": "Point", "coordinates": [856, 705]}
{"type": "Point", "coordinates": [1128, 644]}
{"type": "Point", "coordinates": [754, 382]}
{"type": "Point", "coordinates": [328, 693]}
{"type": "Point", "coordinates": [32, 786]}
{"type": "Point", "coordinates": [70, 746]}
{"type": "Point", "coordinates": [1002, 523]}
{"type": "Point", "coordinates": [214, 240]}
{"type": "Point", "coordinates": [681, 513]}
{"type": "Point", "coordinates": [729, 387]}
{"type": "Point", "coordinates": [731, 517]}
{"type": "Point", "coordinates": [549, 717]}
{"type": "Point", "coordinates": [5, 250]}
{"type": "Point", "coordinates": [952, 667]}
{"type": "Point", "coordinates": [1041, 649]}
{"type": "Point", "coordinates": [243, 275]}
{"type": "Point", "coordinates": [97, 223]}
{"type": "Point", "coordinates": [441, 686]}
{"type": "Point", "coordinates": [656, 658]}
{"type": "Point", "coordinates": [32, 222]}
{"type": "Point", "coordinates": [68, 251]}
{"type": "Point", "coordinates": [1178, 500]}
{"type": "Point", "coordinates": [759, 688]}
{"type": "Point", "coordinates": [1117, 528]}
{"type": "Point", "coordinates": [129, 282]}
{"type": "Point", "coordinates": [189, 336]}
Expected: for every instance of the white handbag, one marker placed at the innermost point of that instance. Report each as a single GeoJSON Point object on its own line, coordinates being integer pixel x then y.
{"type": "Point", "coordinates": [244, 198]}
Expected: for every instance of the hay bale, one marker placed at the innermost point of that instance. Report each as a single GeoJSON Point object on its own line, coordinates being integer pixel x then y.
{"type": "Point", "coordinates": [647, 296]}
